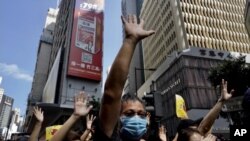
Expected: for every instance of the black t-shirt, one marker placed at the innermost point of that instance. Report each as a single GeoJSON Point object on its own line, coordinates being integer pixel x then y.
{"type": "Point", "coordinates": [99, 135]}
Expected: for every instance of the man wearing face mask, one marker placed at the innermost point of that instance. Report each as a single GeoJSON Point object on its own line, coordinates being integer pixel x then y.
{"type": "Point", "coordinates": [122, 118]}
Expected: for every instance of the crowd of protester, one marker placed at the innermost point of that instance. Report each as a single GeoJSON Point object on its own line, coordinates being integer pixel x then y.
{"type": "Point", "coordinates": [124, 118]}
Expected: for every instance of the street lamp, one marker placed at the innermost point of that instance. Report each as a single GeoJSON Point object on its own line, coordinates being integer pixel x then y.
{"type": "Point", "coordinates": [149, 69]}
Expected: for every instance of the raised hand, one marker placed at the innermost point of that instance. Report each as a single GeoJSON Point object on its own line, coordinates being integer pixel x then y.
{"type": "Point", "coordinates": [38, 114]}
{"type": "Point", "coordinates": [162, 133]}
{"type": "Point", "coordinates": [209, 137]}
{"type": "Point", "coordinates": [224, 93]}
{"type": "Point", "coordinates": [89, 121]}
{"type": "Point", "coordinates": [80, 105]}
{"type": "Point", "coordinates": [148, 118]}
{"type": "Point", "coordinates": [133, 30]}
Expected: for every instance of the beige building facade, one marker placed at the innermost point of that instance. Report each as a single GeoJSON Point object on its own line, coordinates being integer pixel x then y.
{"type": "Point", "coordinates": [181, 24]}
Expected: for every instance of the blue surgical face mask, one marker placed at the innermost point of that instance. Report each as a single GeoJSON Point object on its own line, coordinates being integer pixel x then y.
{"type": "Point", "coordinates": [133, 127]}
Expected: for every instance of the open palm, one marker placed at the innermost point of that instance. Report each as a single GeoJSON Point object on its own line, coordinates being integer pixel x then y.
{"type": "Point", "coordinates": [133, 30]}
{"type": "Point", "coordinates": [89, 121]}
{"type": "Point", "coordinates": [38, 113]}
{"type": "Point", "coordinates": [224, 93]}
{"type": "Point", "coordinates": [80, 106]}
{"type": "Point", "coordinates": [162, 133]}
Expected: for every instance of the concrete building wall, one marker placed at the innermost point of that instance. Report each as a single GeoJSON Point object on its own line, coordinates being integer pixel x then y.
{"type": "Point", "coordinates": [43, 57]}
{"type": "Point", "coordinates": [216, 24]}
{"type": "Point", "coordinates": [41, 71]}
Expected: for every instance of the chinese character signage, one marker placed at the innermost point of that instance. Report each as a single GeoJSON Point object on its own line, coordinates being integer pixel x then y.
{"type": "Point", "coordinates": [85, 59]}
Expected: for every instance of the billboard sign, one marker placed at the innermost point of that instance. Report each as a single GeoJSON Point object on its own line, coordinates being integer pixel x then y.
{"type": "Point", "coordinates": [85, 58]}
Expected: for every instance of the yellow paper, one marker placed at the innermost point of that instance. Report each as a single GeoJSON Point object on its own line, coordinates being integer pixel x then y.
{"type": "Point", "coordinates": [51, 130]}
{"type": "Point", "coordinates": [180, 107]}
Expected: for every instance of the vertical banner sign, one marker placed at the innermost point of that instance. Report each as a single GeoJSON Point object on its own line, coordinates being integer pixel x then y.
{"type": "Point", "coordinates": [85, 59]}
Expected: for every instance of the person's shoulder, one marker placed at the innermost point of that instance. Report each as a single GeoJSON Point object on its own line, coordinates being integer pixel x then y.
{"type": "Point", "coordinates": [99, 134]}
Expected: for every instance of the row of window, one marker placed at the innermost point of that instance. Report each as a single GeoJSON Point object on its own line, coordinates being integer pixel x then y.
{"type": "Point", "coordinates": [61, 30]}
{"type": "Point", "coordinates": [217, 44]}
{"type": "Point", "coordinates": [216, 14]}
{"type": "Point", "coordinates": [232, 2]}
{"type": "Point", "coordinates": [155, 49]}
{"type": "Point", "coordinates": [214, 23]}
{"type": "Point", "coordinates": [223, 5]}
{"type": "Point", "coordinates": [161, 46]}
{"type": "Point", "coordinates": [161, 55]}
{"type": "Point", "coordinates": [167, 26]}
{"type": "Point", "coordinates": [216, 33]}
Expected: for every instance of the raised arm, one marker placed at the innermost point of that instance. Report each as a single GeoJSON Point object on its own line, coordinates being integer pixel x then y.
{"type": "Point", "coordinates": [111, 101]}
{"type": "Point", "coordinates": [162, 133]}
{"type": "Point", "coordinates": [80, 109]}
{"type": "Point", "coordinates": [39, 116]}
{"type": "Point", "coordinates": [89, 121]}
{"type": "Point", "coordinates": [209, 119]}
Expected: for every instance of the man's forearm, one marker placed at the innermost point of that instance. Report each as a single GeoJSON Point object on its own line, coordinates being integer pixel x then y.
{"type": "Point", "coordinates": [111, 100]}
{"type": "Point", "coordinates": [209, 119]}
{"type": "Point", "coordinates": [62, 132]}
{"type": "Point", "coordinates": [119, 70]}
{"type": "Point", "coordinates": [35, 133]}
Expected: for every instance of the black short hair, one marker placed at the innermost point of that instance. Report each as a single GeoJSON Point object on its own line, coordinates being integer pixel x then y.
{"type": "Point", "coordinates": [131, 97]}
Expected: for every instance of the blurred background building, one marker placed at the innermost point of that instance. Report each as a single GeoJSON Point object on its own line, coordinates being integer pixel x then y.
{"type": "Point", "coordinates": [67, 60]}
{"type": "Point", "coordinates": [5, 114]}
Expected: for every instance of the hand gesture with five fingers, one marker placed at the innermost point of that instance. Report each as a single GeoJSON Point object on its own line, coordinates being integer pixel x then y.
{"type": "Point", "coordinates": [162, 133]}
{"type": "Point", "coordinates": [80, 105]}
{"type": "Point", "coordinates": [133, 30]}
{"type": "Point", "coordinates": [89, 121]}
{"type": "Point", "coordinates": [209, 137]}
{"type": "Point", "coordinates": [224, 93]}
{"type": "Point", "coordinates": [38, 113]}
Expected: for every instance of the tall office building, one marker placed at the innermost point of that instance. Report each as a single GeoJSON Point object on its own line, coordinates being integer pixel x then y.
{"type": "Point", "coordinates": [42, 62]}
{"type": "Point", "coordinates": [15, 122]}
{"type": "Point", "coordinates": [43, 57]}
{"type": "Point", "coordinates": [191, 37]}
{"type": "Point", "coordinates": [75, 60]}
{"type": "Point", "coordinates": [181, 24]}
{"type": "Point", "coordinates": [134, 81]}
{"type": "Point", "coordinates": [5, 110]}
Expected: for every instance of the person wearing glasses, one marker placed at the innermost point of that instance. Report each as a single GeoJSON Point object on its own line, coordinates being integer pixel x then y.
{"type": "Point", "coordinates": [122, 118]}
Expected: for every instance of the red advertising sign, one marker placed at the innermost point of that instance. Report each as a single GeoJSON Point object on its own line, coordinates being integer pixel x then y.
{"type": "Point", "coordinates": [85, 59]}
